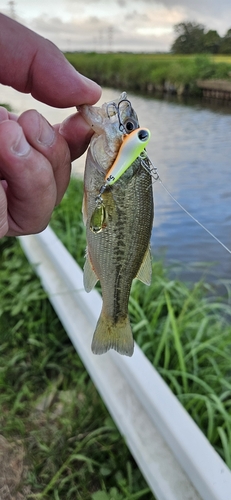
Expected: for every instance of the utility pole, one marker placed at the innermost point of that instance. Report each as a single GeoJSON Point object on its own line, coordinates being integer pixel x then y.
{"type": "Point", "coordinates": [12, 9]}
{"type": "Point", "coordinates": [110, 38]}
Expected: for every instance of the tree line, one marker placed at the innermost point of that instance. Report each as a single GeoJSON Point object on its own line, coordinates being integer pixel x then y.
{"type": "Point", "coordinates": [193, 38]}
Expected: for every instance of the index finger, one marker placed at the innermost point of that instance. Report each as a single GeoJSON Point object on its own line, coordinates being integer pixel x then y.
{"type": "Point", "coordinates": [31, 64]}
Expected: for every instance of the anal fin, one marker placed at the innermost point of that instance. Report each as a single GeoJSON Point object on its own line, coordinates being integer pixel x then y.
{"type": "Point", "coordinates": [89, 276]}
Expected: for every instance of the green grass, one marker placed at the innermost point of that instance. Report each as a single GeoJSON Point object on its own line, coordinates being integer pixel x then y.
{"type": "Point", "coordinates": [48, 402]}
{"type": "Point", "coordinates": [145, 72]}
{"type": "Point", "coordinates": [7, 106]}
{"type": "Point", "coordinates": [184, 331]}
{"type": "Point", "coordinates": [187, 337]}
{"type": "Point", "coordinates": [72, 447]}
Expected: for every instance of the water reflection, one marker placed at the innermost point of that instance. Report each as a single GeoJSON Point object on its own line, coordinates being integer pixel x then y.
{"type": "Point", "coordinates": [191, 147]}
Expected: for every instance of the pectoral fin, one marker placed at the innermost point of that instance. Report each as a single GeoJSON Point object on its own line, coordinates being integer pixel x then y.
{"type": "Point", "coordinates": [89, 276]}
{"type": "Point", "coordinates": [145, 271]}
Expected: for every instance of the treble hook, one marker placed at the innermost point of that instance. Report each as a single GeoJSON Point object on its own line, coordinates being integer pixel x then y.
{"type": "Point", "coordinates": [121, 125]}
{"type": "Point", "coordinates": [111, 104]}
{"type": "Point", "coordinates": [147, 164]}
{"type": "Point", "coordinates": [117, 112]}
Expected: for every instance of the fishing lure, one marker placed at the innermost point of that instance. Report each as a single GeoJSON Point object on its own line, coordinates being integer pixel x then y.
{"type": "Point", "coordinates": [132, 146]}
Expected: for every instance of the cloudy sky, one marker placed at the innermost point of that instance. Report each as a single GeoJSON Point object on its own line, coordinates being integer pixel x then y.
{"type": "Point", "coordinates": [102, 25]}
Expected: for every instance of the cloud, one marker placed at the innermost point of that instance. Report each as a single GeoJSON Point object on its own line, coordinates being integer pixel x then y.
{"type": "Point", "coordinates": [211, 13]}
{"type": "Point", "coordinates": [138, 25]}
{"type": "Point", "coordinates": [136, 29]}
{"type": "Point", "coordinates": [95, 33]}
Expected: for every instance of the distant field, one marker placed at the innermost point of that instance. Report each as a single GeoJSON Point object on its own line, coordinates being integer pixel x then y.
{"type": "Point", "coordinates": [222, 58]}
{"type": "Point", "coordinates": [152, 72]}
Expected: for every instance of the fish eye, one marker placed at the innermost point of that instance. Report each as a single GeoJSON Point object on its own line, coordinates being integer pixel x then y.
{"type": "Point", "coordinates": [130, 125]}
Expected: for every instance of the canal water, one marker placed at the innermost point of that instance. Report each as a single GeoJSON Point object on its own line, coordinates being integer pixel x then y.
{"type": "Point", "coordinates": [191, 148]}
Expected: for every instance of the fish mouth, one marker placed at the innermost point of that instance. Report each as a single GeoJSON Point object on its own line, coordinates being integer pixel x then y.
{"type": "Point", "coordinates": [119, 113]}
{"type": "Point", "coordinates": [122, 112]}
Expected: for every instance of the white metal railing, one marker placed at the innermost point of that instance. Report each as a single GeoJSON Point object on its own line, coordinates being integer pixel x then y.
{"type": "Point", "coordinates": [174, 456]}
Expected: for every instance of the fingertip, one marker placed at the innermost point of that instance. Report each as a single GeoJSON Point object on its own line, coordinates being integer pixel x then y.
{"type": "Point", "coordinates": [93, 91]}
{"type": "Point", "coordinates": [7, 115]}
{"type": "Point", "coordinates": [20, 146]}
{"type": "Point", "coordinates": [77, 134]}
{"type": "Point", "coordinates": [63, 86]}
{"type": "Point", "coordinates": [75, 123]}
{"type": "Point", "coordinates": [4, 114]}
{"type": "Point", "coordinates": [3, 212]}
{"type": "Point", "coordinates": [13, 139]}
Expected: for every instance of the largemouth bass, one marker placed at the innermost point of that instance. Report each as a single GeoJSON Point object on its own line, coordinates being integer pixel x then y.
{"type": "Point", "coordinates": [118, 220]}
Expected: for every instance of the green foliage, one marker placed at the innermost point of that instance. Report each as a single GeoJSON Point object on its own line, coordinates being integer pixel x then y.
{"type": "Point", "coordinates": [225, 47]}
{"type": "Point", "coordinates": [212, 42]}
{"type": "Point", "coordinates": [114, 494]}
{"type": "Point", "coordinates": [187, 336]}
{"type": "Point", "coordinates": [73, 449]}
{"type": "Point", "coordinates": [185, 332]}
{"type": "Point", "coordinates": [47, 400]}
{"type": "Point", "coordinates": [190, 39]}
{"type": "Point", "coordinates": [193, 39]}
{"type": "Point", "coordinates": [7, 106]}
{"type": "Point", "coordinates": [142, 72]}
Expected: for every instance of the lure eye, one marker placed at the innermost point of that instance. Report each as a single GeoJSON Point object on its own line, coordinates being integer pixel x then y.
{"type": "Point", "coordinates": [130, 125]}
{"type": "Point", "coordinates": [143, 135]}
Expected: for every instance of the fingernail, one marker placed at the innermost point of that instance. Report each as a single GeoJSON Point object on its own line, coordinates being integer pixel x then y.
{"type": "Point", "coordinates": [91, 83]}
{"type": "Point", "coordinates": [47, 133]}
{"type": "Point", "coordinates": [21, 147]}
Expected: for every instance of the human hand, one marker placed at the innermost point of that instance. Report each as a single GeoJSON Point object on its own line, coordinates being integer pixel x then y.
{"type": "Point", "coordinates": [35, 157]}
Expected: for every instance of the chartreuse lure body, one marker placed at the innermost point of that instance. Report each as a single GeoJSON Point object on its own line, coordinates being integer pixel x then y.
{"type": "Point", "coordinates": [132, 146]}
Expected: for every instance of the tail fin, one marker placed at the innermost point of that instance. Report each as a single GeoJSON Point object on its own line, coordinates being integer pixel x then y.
{"type": "Point", "coordinates": [109, 335]}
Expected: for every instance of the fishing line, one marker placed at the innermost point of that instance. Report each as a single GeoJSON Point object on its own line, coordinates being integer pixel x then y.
{"type": "Point", "coordinates": [193, 218]}
{"type": "Point", "coordinates": [153, 171]}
